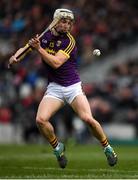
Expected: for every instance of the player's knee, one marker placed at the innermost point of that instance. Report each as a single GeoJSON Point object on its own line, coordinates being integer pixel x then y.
{"type": "Point", "coordinates": [40, 121]}
{"type": "Point", "coordinates": [89, 120]}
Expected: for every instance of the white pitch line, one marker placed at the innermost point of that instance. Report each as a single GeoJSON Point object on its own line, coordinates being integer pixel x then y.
{"type": "Point", "coordinates": [71, 169]}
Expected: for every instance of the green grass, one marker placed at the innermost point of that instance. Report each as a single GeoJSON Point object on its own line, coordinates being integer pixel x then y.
{"type": "Point", "coordinates": [85, 162]}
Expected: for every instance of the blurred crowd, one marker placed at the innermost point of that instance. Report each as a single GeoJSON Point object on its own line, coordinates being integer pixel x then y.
{"type": "Point", "coordinates": [104, 24]}
{"type": "Point", "coordinates": [116, 98]}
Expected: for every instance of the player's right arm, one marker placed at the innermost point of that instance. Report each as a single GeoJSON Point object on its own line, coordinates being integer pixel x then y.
{"type": "Point", "coordinates": [55, 61]}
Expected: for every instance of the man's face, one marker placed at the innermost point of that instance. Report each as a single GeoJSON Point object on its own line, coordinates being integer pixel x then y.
{"type": "Point", "coordinates": [64, 25]}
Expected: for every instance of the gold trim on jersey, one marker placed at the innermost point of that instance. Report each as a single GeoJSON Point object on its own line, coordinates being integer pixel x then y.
{"type": "Point", "coordinates": [68, 56]}
{"type": "Point", "coordinates": [71, 45]}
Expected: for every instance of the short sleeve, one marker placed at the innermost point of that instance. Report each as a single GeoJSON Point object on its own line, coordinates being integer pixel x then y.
{"type": "Point", "coordinates": [68, 45]}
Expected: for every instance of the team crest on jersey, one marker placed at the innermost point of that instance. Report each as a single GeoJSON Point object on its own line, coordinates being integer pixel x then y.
{"type": "Point", "coordinates": [58, 43]}
{"type": "Point", "coordinates": [51, 44]}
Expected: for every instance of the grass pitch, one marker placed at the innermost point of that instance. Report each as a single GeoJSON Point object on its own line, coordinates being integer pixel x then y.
{"type": "Point", "coordinates": [85, 162]}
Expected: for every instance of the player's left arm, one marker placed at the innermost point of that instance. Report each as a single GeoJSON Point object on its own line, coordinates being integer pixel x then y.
{"type": "Point", "coordinates": [60, 57]}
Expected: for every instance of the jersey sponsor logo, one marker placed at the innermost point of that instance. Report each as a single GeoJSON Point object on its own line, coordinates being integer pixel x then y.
{"type": "Point", "coordinates": [51, 51]}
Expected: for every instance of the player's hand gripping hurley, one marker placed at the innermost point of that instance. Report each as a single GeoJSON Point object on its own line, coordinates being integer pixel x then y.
{"type": "Point", "coordinates": [16, 57]}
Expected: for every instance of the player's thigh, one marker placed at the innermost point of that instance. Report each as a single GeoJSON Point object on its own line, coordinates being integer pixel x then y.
{"type": "Point", "coordinates": [48, 107]}
{"type": "Point", "coordinates": [81, 106]}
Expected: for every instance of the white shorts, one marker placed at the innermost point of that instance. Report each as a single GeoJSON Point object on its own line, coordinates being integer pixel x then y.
{"type": "Point", "coordinates": [65, 94]}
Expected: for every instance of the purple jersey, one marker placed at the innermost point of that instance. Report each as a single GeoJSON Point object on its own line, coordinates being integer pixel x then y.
{"type": "Point", "coordinates": [67, 73]}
